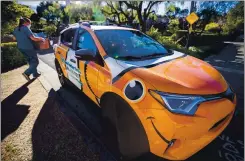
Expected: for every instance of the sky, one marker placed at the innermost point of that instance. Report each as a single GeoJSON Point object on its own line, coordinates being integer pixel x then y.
{"type": "Point", "coordinates": [161, 7]}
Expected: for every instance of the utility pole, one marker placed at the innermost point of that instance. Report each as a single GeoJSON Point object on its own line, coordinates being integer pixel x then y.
{"type": "Point", "coordinates": [193, 6]}
{"type": "Point", "coordinates": [192, 9]}
{"type": "Point", "coordinates": [68, 2]}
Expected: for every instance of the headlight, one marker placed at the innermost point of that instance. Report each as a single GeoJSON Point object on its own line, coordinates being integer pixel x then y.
{"type": "Point", "coordinates": [182, 104]}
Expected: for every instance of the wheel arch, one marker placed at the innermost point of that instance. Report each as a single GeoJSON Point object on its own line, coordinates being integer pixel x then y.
{"type": "Point", "coordinates": [140, 145]}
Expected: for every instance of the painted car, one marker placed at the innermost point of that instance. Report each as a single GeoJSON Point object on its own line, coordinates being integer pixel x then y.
{"type": "Point", "coordinates": [157, 100]}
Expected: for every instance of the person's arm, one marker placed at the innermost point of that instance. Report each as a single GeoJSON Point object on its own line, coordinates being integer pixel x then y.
{"type": "Point", "coordinates": [32, 36]}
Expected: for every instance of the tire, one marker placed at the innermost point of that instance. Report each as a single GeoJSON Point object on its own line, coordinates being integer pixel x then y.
{"type": "Point", "coordinates": [62, 78]}
{"type": "Point", "coordinates": [123, 131]}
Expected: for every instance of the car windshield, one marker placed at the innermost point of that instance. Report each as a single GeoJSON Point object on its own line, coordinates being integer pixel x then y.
{"type": "Point", "coordinates": [129, 45]}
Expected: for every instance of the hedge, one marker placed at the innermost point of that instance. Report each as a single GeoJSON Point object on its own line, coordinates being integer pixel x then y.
{"type": "Point", "coordinates": [11, 57]}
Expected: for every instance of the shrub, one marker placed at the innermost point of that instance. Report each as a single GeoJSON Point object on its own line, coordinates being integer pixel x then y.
{"type": "Point", "coordinates": [174, 37]}
{"type": "Point", "coordinates": [50, 30]}
{"type": "Point", "coordinates": [153, 32]}
{"type": "Point", "coordinates": [212, 27]}
{"type": "Point", "coordinates": [193, 51]}
{"type": "Point", "coordinates": [173, 26]}
{"type": "Point", "coordinates": [11, 57]}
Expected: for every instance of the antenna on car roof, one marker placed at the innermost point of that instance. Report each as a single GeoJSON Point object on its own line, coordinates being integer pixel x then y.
{"type": "Point", "coordinates": [84, 23]}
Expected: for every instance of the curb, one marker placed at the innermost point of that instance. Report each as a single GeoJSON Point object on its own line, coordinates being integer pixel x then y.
{"type": "Point", "coordinates": [43, 81]}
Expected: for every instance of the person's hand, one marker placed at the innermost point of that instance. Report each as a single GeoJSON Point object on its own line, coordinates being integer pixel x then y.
{"type": "Point", "coordinates": [42, 39]}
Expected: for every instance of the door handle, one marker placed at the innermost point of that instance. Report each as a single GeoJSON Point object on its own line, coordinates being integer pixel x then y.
{"type": "Point", "coordinates": [72, 60]}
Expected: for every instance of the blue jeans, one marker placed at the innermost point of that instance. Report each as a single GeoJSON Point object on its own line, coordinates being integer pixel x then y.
{"type": "Point", "coordinates": [31, 56]}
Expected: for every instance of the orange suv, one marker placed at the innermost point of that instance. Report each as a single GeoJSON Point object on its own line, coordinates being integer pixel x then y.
{"type": "Point", "coordinates": [157, 100]}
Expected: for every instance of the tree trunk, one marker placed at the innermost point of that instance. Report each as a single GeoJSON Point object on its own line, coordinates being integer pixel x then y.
{"type": "Point", "coordinates": [143, 26]}
{"type": "Point", "coordinates": [193, 6]}
{"type": "Point", "coordinates": [141, 21]}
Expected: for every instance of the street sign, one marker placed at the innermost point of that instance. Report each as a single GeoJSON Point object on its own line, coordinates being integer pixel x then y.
{"type": "Point", "coordinates": [192, 18]}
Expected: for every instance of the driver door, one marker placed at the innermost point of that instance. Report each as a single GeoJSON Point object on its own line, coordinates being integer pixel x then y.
{"type": "Point", "coordinates": [89, 69]}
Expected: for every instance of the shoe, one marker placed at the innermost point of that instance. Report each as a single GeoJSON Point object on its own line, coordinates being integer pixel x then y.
{"type": "Point", "coordinates": [37, 75]}
{"type": "Point", "coordinates": [26, 76]}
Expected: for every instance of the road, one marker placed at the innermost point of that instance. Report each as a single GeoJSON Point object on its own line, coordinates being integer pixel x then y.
{"type": "Point", "coordinates": [229, 146]}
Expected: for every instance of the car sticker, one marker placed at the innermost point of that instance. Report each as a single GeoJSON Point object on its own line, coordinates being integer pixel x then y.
{"type": "Point", "coordinates": [73, 70]}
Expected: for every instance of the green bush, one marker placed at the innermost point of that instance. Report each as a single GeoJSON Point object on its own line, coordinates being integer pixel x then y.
{"type": "Point", "coordinates": [212, 27]}
{"type": "Point", "coordinates": [11, 57]}
{"type": "Point", "coordinates": [50, 30]}
{"type": "Point", "coordinates": [169, 43]}
{"type": "Point", "coordinates": [174, 37]}
{"type": "Point", "coordinates": [173, 26]}
{"type": "Point", "coordinates": [153, 32]}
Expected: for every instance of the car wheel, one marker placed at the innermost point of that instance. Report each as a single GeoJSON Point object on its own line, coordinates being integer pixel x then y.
{"type": "Point", "coordinates": [123, 132]}
{"type": "Point", "coordinates": [61, 76]}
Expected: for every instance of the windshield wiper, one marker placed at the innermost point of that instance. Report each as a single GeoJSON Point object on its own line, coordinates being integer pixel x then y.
{"type": "Point", "coordinates": [128, 57]}
{"type": "Point", "coordinates": [153, 55]}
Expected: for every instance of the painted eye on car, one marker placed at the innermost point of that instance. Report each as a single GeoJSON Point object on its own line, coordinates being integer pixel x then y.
{"type": "Point", "coordinates": [134, 90]}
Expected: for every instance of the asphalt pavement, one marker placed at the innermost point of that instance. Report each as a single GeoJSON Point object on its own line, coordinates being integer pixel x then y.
{"type": "Point", "coordinates": [229, 146]}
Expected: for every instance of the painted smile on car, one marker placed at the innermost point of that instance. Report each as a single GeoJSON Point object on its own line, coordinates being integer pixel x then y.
{"type": "Point", "coordinates": [159, 100]}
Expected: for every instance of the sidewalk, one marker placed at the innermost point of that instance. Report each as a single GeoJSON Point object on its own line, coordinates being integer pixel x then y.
{"type": "Point", "coordinates": [33, 127]}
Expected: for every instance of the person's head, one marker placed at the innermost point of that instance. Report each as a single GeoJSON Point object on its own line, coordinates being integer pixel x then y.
{"type": "Point", "coordinates": [24, 22]}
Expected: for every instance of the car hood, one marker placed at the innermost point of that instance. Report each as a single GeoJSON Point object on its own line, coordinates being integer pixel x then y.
{"type": "Point", "coordinates": [177, 73]}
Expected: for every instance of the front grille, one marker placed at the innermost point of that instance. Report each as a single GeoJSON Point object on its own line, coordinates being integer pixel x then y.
{"type": "Point", "coordinates": [219, 122]}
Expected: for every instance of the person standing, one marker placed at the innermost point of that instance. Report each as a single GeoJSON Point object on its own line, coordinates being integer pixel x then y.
{"type": "Point", "coordinates": [25, 38]}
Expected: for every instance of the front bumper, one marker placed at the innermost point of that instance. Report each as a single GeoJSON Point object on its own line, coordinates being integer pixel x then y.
{"type": "Point", "coordinates": [191, 133]}
{"type": "Point", "coordinates": [183, 149]}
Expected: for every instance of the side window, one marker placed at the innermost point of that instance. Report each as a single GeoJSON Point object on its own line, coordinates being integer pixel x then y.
{"type": "Point", "coordinates": [67, 37]}
{"type": "Point", "coordinates": [85, 41]}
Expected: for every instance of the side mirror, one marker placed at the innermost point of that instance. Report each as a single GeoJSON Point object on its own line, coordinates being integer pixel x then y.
{"type": "Point", "coordinates": [85, 55]}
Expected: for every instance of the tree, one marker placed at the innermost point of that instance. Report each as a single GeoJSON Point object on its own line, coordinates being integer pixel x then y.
{"type": "Point", "coordinates": [118, 11]}
{"type": "Point", "coordinates": [97, 15]}
{"type": "Point", "coordinates": [78, 12]}
{"type": "Point", "coordinates": [172, 11]}
{"type": "Point", "coordinates": [42, 7]}
{"type": "Point", "coordinates": [221, 7]}
{"type": "Point", "coordinates": [130, 10]}
{"type": "Point", "coordinates": [53, 14]}
{"type": "Point", "coordinates": [211, 11]}
{"type": "Point", "coordinates": [111, 11]}
{"type": "Point", "coordinates": [235, 18]}
{"type": "Point", "coordinates": [142, 13]}
{"type": "Point", "coordinates": [206, 15]}
{"type": "Point", "coordinates": [11, 12]}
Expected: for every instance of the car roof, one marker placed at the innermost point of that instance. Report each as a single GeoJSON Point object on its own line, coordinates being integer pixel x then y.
{"type": "Point", "coordinates": [98, 27]}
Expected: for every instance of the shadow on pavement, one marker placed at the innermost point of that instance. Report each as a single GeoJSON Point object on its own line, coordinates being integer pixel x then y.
{"type": "Point", "coordinates": [12, 113]}
{"type": "Point", "coordinates": [55, 138]}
